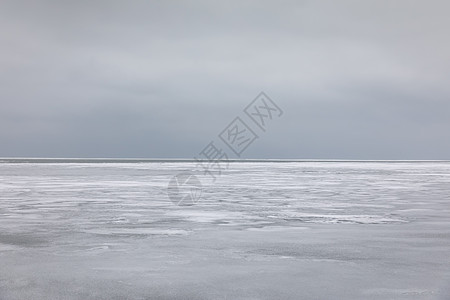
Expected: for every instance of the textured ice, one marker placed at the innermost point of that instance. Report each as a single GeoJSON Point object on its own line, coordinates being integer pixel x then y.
{"type": "Point", "coordinates": [263, 230]}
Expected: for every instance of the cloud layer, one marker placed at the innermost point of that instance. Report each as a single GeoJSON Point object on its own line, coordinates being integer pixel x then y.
{"type": "Point", "coordinates": [356, 79]}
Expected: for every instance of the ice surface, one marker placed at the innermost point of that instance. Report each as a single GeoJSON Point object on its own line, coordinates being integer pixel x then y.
{"type": "Point", "coordinates": [263, 230]}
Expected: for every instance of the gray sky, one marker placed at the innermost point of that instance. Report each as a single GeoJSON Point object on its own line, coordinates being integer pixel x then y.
{"type": "Point", "coordinates": [356, 79]}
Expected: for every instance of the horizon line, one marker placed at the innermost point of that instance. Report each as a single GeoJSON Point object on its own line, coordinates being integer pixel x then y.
{"type": "Point", "coordinates": [229, 160]}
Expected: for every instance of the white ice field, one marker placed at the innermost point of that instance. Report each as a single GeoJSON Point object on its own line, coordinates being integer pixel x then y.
{"type": "Point", "coordinates": [263, 230]}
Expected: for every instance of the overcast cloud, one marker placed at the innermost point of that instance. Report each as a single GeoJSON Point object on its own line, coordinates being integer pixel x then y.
{"type": "Point", "coordinates": [356, 79]}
